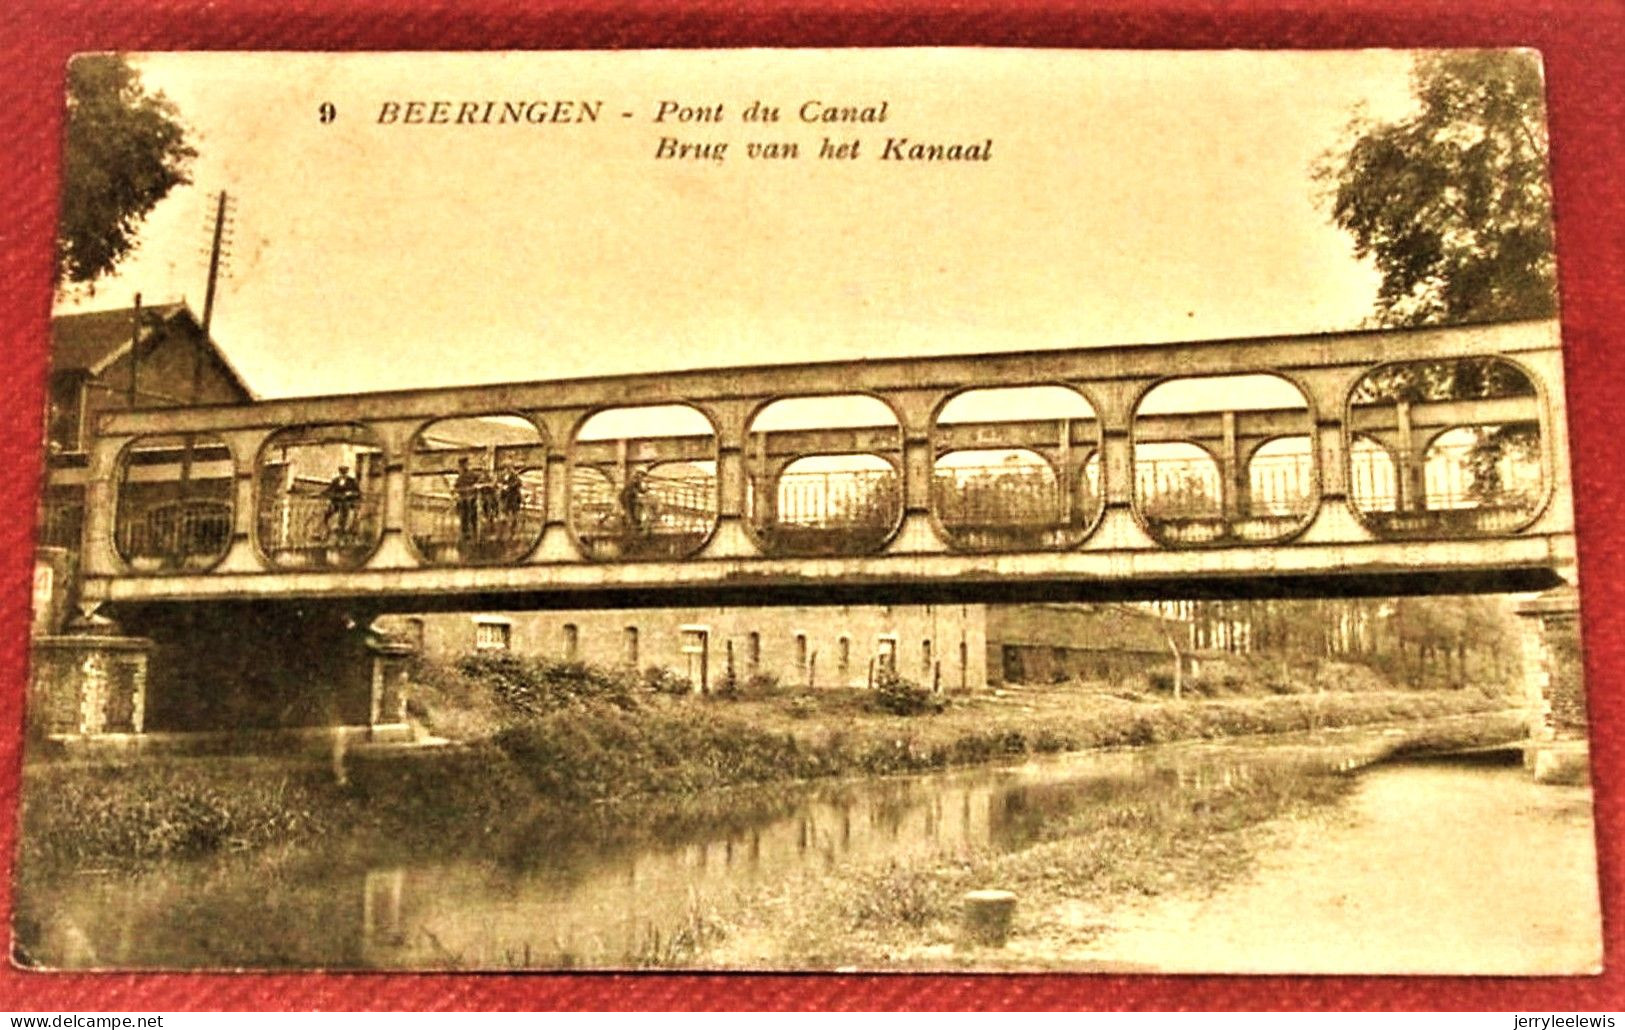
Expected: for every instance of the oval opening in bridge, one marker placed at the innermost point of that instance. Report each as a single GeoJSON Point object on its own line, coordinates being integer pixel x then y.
{"type": "Point", "coordinates": [176, 503]}
{"type": "Point", "coordinates": [643, 482]}
{"type": "Point", "coordinates": [824, 475]}
{"type": "Point", "coordinates": [1224, 460]}
{"type": "Point", "coordinates": [320, 496]}
{"type": "Point", "coordinates": [1016, 468]}
{"type": "Point", "coordinates": [477, 489]}
{"type": "Point", "coordinates": [1446, 448]}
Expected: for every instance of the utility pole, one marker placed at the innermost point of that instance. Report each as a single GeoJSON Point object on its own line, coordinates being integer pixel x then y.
{"type": "Point", "coordinates": [135, 346]}
{"type": "Point", "coordinates": [217, 252]}
{"type": "Point", "coordinates": [180, 543]}
{"type": "Point", "coordinates": [214, 259]}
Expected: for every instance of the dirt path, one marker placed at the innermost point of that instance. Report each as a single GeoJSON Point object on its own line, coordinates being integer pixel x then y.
{"type": "Point", "coordinates": [1431, 868]}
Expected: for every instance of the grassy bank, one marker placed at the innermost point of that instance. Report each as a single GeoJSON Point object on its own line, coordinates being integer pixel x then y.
{"type": "Point", "coordinates": [1146, 837]}
{"type": "Point", "coordinates": [585, 753]}
{"type": "Point", "coordinates": [1091, 854]}
{"type": "Point", "coordinates": [608, 754]}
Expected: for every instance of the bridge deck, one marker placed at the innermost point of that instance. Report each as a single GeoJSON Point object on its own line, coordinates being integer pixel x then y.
{"type": "Point", "coordinates": [1094, 526]}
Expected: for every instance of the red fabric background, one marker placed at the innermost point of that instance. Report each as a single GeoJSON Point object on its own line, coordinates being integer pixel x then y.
{"type": "Point", "coordinates": [1583, 43]}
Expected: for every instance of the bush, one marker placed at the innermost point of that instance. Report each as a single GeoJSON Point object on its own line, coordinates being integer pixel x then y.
{"type": "Point", "coordinates": [1348, 677]}
{"type": "Point", "coordinates": [662, 680]}
{"type": "Point", "coordinates": [534, 686]}
{"type": "Point", "coordinates": [900, 696]}
{"type": "Point", "coordinates": [1048, 741]}
{"type": "Point", "coordinates": [1161, 681]}
{"type": "Point", "coordinates": [452, 704]}
{"type": "Point", "coordinates": [763, 684]}
{"type": "Point", "coordinates": [898, 894]}
{"type": "Point", "coordinates": [729, 687]}
{"type": "Point", "coordinates": [603, 753]}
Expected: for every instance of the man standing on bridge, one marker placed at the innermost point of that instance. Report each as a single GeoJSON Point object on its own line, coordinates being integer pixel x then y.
{"type": "Point", "coordinates": [510, 498]}
{"type": "Point", "coordinates": [343, 493]}
{"type": "Point", "coordinates": [468, 486]}
{"type": "Point", "coordinates": [632, 501]}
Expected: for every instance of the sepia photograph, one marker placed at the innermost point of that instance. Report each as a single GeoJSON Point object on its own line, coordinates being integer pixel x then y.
{"type": "Point", "coordinates": [900, 509]}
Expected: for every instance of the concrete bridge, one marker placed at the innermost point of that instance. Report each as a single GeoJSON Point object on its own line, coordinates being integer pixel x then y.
{"type": "Point", "coordinates": [1115, 534]}
{"type": "Point", "coordinates": [1380, 462]}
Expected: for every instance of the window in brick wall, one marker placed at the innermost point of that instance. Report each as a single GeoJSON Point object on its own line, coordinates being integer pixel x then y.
{"type": "Point", "coordinates": [843, 658]}
{"type": "Point", "coordinates": [630, 638]}
{"type": "Point", "coordinates": [801, 652]}
{"type": "Point", "coordinates": [492, 636]}
{"type": "Point", "coordinates": [572, 642]}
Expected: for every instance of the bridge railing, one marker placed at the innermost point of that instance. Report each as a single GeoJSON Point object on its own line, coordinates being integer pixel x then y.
{"type": "Point", "coordinates": [187, 534]}
{"type": "Point", "coordinates": [835, 512]}
{"type": "Point", "coordinates": [1364, 464]}
{"type": "Point", "coordinates": [649, 516]}
{"type": "Point", "coordinates": [299, 530]}
{"type": "Point", "coordinates": [449, 530]}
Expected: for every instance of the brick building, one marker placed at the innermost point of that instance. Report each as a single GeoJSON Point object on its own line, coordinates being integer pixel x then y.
{"type": "Point", "coordinates": [1046, 643]}
{"type": "Point", "coordinates": [104, 361]}
{"type": "Point", "coordinates": [951, 647]}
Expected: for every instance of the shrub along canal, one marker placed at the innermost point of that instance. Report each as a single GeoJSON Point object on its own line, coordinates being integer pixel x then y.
{"type": "Point", "coordinates": [820, 874]}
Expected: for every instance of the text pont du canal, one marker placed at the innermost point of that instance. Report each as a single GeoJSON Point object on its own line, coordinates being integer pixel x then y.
{"type": "Point", "coordinates": [686, 127]}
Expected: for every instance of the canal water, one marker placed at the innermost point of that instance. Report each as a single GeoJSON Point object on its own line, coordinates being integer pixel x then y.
{"type": "Point", "coordinates": [593, 906]}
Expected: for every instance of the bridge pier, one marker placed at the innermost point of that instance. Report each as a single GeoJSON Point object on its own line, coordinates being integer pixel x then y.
{"type": "Point", "coordinates": [269, 665]}
{"type": "Point", "coordinates": [1554, 680]}
{"type": "Point", "coordinates": [88, 685]}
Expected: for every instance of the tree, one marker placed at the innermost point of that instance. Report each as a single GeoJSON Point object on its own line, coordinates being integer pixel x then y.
{"type": "Point", "coordinates": [1452, 202]}
{"type": "Point", "coordinates": [125, 150]}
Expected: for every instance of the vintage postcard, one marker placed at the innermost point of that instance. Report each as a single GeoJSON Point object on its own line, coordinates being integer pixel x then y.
{"type": "Point", "coordinates": [897, 509]}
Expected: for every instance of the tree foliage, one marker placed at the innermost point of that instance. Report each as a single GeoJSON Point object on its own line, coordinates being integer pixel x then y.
{"type": "Point", "coordinates": [1416, 641]}
{"type": "Point", "coordinates": [125, 150]}
{"type": "Point", "coordinates": [1452, 202]}
{"type": "Point", "coordinates": [1443, 379]}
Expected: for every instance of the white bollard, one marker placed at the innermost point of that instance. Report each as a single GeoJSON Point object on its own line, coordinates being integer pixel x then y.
{"type": "Point", "coordinates": [987, 917]}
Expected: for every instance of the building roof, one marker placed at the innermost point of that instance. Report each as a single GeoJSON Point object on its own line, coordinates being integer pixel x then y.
{"type": "Point", "coordinates": [1083, 627]}
{"type": "Point", "coordinates": [92, 341]}
{"type": "Point", "coordinates": [475, 431]}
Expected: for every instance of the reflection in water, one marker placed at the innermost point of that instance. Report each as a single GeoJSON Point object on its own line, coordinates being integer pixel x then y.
{"type": "Point", "coordinates": [554, 906]}
{"type": "Point", "coordinates": [381, 907]}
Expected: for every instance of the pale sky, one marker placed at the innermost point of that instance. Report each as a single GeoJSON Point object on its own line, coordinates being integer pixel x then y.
{"type": "Point", "coordinates": [1130, 198]}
